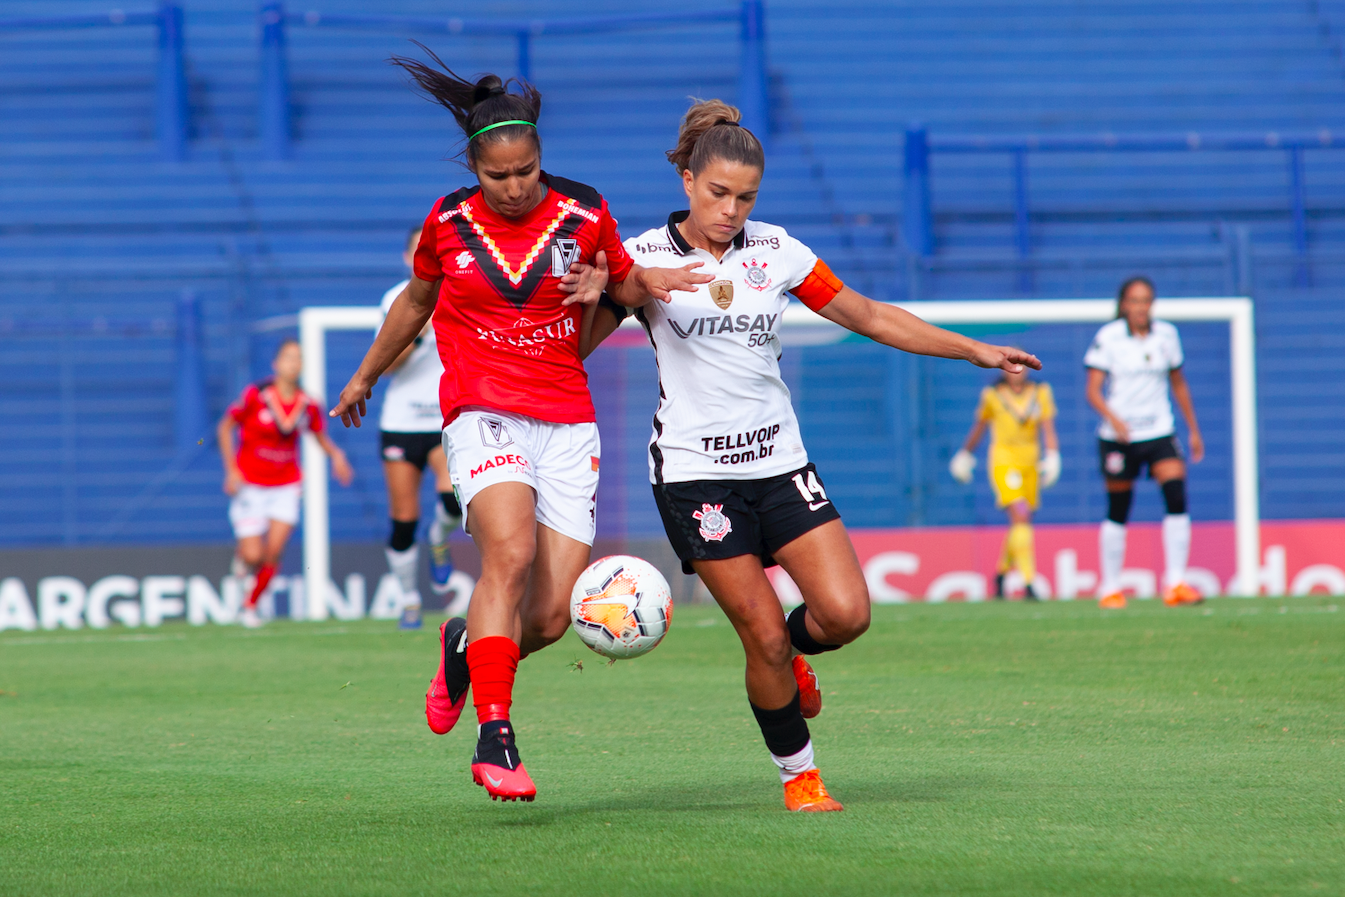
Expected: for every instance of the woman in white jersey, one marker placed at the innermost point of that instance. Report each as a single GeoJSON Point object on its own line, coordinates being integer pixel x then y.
{"type": "Point", "coordinates": [731, 477]}
{"type": "Point", "coordinates": [411, 440]}
{"type": "Point", "coordinates": [1140, 359]}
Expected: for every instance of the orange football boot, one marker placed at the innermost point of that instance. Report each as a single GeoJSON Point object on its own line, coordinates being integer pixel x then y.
{"type": "Point", "coordinates": [810, 696]}
{"type": "Point", "coordinates": [1181, 594]}
{"type": "Point", "coordinates": [1114, 601]}
{"type": "Point", "coordinates": [805, 793]}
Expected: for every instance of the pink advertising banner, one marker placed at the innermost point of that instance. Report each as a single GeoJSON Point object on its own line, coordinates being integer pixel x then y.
{"type": "Point", "coordinates": [1299, 557]}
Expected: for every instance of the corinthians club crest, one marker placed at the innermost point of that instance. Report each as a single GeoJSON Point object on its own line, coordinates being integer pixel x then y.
{"type": "Point", "coordinates": [721, 291]}
{"type": "Point", "coordinates": [756, 275]}
{"type": "Point", "coordinates": [714, 522]}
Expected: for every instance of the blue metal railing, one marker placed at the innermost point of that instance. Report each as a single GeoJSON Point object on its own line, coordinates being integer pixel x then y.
{"type": "Point", "coordinates": [275, 124]}
{"type": "Point", "coordinates": [170, 94]}
{"type": "Point", "coordinates": [918, 219]}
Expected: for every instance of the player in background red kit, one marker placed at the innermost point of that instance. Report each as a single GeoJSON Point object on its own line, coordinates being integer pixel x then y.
{"type": "Point", "coordinates": [263, 474]}
{"type": "Point", "coordinates": [497, 268]}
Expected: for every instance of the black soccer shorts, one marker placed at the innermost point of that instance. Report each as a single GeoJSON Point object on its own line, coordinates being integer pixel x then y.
{"type": "Point", "coordinates": [708, 520]}
{"type": "Point", "coordinates": [414, 448]}
{"type": "Point", "coordinates": [1125, 460]}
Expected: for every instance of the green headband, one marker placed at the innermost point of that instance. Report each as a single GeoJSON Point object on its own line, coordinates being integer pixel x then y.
{"type": "Point", "coordinates": [501, 124]}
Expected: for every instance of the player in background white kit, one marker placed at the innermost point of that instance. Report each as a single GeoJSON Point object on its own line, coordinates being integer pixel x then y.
{"type": "Point", "coordinates": [1140, 359]}
{"type": "Point", "coordinates": [410, 436]}
{"type": "Point", "coordinates": [730, 475]}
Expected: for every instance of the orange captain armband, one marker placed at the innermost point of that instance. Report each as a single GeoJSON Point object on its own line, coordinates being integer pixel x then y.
{"type": "Point", "coordinates": [819, 287]}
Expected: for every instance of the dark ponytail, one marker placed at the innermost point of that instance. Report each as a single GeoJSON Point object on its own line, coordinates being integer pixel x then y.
{"type": "Point", "coordinates": [1125, 288]}
{"type": "Point", "coordinates": [710, 131]}
{"type": "Point", "coordinates": [477, 105]}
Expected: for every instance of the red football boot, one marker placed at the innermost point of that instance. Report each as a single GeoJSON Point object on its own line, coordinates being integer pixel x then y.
{"type": "Point", "coordinates": [810, 695]}
{"type": "Point", "coordinates": [445, 699]}
{"type": "Point", "coordinates": [496, 765]}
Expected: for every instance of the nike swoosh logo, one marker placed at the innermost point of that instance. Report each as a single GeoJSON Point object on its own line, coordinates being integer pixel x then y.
{"type": "Point", "coordinates": [494, 783]}
{"type": "Point", "coordinates": [462, 643]}
{"type": "Point", "coordinates": [814, 505]}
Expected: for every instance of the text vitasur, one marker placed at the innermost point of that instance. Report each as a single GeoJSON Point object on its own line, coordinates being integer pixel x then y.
{"type": "Point", "coordinates": [725, 324]}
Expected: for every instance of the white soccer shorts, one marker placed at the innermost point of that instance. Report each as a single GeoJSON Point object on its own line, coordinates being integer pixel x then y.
{"type": "Point", "coordinates": [559, 461]}
{"type": "Point", "coordinates": [254, 507]}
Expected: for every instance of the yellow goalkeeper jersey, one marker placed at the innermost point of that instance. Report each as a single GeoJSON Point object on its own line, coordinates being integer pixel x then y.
{"type": "Point", "coordinates": [1014, 420]}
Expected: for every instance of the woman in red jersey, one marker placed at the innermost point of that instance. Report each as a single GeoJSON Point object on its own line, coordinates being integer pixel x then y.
{"type": "Point", "coordinates": [263, 474]}
{"type": "Point", "coordinates": [730, 474]}
{"type": "Point", "coordinates": [493, 270]}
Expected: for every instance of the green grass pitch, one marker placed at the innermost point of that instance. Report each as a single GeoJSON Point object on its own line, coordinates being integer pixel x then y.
{"type": "Point", "coordinates": [993, 749]}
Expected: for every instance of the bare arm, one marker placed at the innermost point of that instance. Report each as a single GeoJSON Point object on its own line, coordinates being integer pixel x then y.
{"type": "Point", "coordinates": [406, 353]}
{"type": "Point", "coordinates": [341, 468]}
{"type": "Point", "coordinates": [224, 435]}
{"type": "Point", "coordinates": [597, 327]}
{"type": "Point", "coordinates": [974, 437]}
{"type": "Point", "coordinates": [641, 284]}
{"type": "Point", "coordinates": [1049, 435]}
{"type": "Point", "coordinates": [900, 329]}
{"type": "Point", "coordinates": [1181, 391]}
{"type": "Point", "coordinates": [403, 324]}
{"type": "Point", "coordinates": [1094, 392]}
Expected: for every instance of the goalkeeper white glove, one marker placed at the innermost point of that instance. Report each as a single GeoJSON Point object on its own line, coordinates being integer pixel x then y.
{"type": "Point", "coordinates": [963, 463]}
{"type": "Point", "coordinates": [1049, 468]}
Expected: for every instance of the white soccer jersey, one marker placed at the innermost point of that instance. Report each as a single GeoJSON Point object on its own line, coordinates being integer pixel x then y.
{"type": "Point", "coordinates": [1137, 369]}
{"type": "Point", "coordinates": [723, 413]}
{"type": "Point", "coordinates": [411, 404]}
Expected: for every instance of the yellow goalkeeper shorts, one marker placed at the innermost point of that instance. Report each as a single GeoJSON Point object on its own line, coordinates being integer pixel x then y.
{"type": "Point", "coordinates": [1014, 483]}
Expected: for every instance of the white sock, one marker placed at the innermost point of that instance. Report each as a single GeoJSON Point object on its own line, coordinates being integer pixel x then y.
{"type": "Point", "coordinates": [1112, 553]}
{"type": "Point", "coordinates": [239, 570]}
{"type": "Point", "coordinates": [1176, 547]}
{"type": "Point", "coordinates": [403, 566]}
{"type": "Point", "coordinates": [795, 764]}
{"type": "Point", "coordinates": [443, 525]}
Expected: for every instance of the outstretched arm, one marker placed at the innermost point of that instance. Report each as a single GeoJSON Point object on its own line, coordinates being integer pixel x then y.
{"type": "Point", "coordinates": [1181, 391]}
{"type": "Point", "coordinates": [659, 283]}
{"type": "Point", "coordinates": [403, 324]}
{"type": "Point", "coordinates": [900, 329]}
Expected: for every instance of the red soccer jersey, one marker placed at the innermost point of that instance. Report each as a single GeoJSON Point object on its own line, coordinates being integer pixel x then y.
{"type": "Point", "coordinates": [269, 427]}
{"type": "Point", "coordinates": [504, 338]}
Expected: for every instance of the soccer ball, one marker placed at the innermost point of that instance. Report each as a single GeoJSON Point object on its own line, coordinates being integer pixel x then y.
{"type": "Point", "coordinates": [621, 606]}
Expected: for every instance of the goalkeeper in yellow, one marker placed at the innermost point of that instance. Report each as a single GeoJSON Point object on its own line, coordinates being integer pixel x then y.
{"type": "Point", "coordinates": [1019, 412]}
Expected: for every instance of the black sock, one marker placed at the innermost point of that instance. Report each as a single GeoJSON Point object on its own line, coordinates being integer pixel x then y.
{"type": "Point", "coordinates": [1174, 496]}
{"type": "Point", "coordinates": [403, 534]}
{"type": "Point", "coordinates": [803, 642]}
{"type": "Point", "coordinates": [1118, 505]}
{"type": "Point", "coordinates": [785, 730]}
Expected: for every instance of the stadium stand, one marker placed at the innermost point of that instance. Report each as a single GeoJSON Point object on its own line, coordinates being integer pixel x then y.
{"type": "Point", "coordinates": [106, 247]}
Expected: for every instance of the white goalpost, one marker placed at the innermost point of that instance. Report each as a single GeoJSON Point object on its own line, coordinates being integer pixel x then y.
{"type": "Point", "coordinates": [316, 322]}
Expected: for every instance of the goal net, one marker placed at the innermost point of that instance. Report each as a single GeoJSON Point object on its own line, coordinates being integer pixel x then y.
{"type": "Point", "coordinates": [881, 426]}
